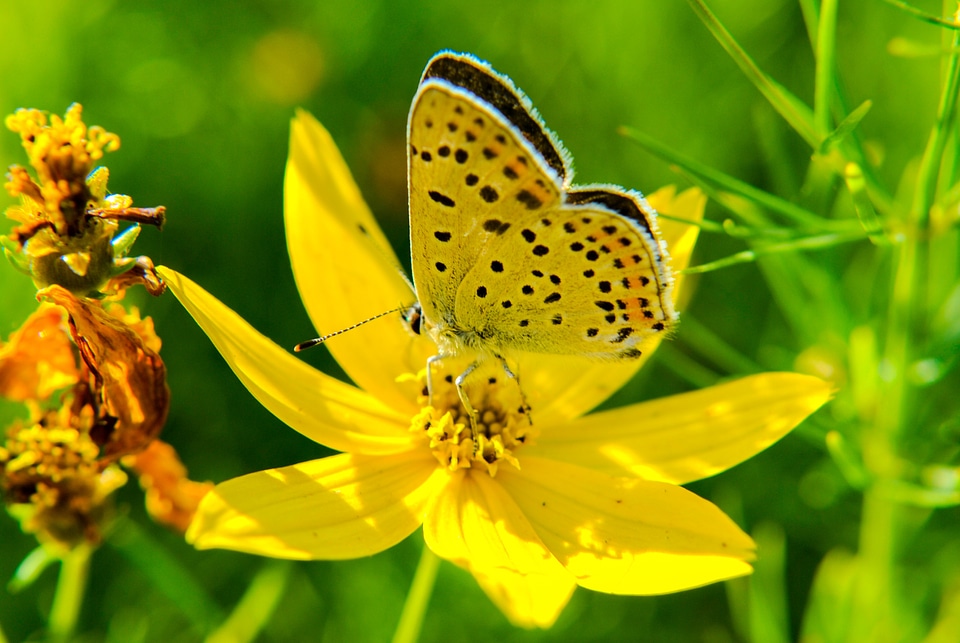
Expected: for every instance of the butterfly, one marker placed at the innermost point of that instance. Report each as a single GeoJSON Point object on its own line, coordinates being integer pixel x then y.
{"type": "Point", "coordinates": [507, 255]}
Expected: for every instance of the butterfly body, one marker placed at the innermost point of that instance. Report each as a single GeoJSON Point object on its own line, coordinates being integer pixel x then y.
{"type": "Point", "coordinates": [507, 255]}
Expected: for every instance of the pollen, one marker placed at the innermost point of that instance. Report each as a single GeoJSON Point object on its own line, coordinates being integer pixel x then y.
{"type": "Point", "coordinates": [502, 424]}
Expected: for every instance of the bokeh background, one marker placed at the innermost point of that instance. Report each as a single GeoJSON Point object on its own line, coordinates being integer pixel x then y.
{"type": "Point", "coordinates": [202, 93]}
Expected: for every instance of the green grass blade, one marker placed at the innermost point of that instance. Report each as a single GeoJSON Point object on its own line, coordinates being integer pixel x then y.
{"type": "Point", "coordinates": [810, 10]}
{"type": "Point", "coordinates": [932, 155]}
{"type": "Point", "coordinates": [711, 346]}
{"type": "Point", "coordinates": [788, 210]}
{"type": "Point", "coordinates": [923, 15]}
{"type": "Point", "coordinates": [791, 108]}
{"type": "Point", "coordinates": [847, 459]}
{"type": "Point", "coordinates": [769, 620]}
{"type": "Point", "coordinates": [30, 568]}
{"type": "Point", "coordinates": [853, 177]}
{"type": "Point", "coordinates": [832, 603]}
{"type": "Point", "coordinates": [804, 243]}
{"type": "Point", "coordinates": [256, 607]}
{"type": "Point", "coordinates": [905, 493]}
{"type": "Point", "coordinates": [825, 76]}
{"type": "Point", "coordinates": [685, 367]}
{"type": "Point", "coordinates": [846, 127]}
{"type": "Point", "coordinates": [167, 575]}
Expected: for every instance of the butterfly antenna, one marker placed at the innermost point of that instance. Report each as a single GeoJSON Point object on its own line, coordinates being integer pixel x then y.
{"type": "Point", "coordinates": [310, 343]}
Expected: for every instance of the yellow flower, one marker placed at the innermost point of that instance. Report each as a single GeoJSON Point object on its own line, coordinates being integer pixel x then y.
{"type": "Point", "coordinates": [58, 468]}
{"type": "Point", "coordinates": [68, 232]}
{"type": "Point", "coordinates": [532, 510]}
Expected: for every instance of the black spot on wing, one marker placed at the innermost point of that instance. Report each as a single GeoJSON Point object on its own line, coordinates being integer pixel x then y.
{"type": "Point", "coordinates": [529, 200]}
{"type": "Point", "coordinates": [496, 225]}
{"type": "Point", "coordinates": [488, 194]}
{"type": "Point", "coordinates": [442, 199]}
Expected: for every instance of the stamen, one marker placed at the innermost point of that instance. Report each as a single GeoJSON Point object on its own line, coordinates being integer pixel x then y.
{"type": "Point", "coordinates": [502, 424]}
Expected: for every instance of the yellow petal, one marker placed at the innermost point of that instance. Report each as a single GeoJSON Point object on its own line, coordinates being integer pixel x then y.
{"type": "Point", "coordinates": [688, 436]}
{"type": "Point", "coordinates": [344, 506]}
{"type": "Point", "coordinates": [345, 269]}
{"type": "Point", "coordinates": [320, 407]}
{"type": "Point", "coordinates": [474, 524]}
{"type": "Point", "coordinates": [625, 535]}
{"type": "Point", "coordinates": [560, 387]}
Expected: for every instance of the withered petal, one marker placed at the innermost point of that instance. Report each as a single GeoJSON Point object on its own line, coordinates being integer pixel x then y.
{"type": "Point", "coordinates": [39, 358]}
{"type": "Point", "coordinates": [130, 376]}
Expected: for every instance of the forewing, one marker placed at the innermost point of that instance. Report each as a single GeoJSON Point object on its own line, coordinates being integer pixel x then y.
{"type": "Point", "coordinates": [472, 172]}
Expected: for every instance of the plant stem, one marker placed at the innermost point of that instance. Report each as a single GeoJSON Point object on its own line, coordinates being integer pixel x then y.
{"type": "Point", "coordinates": [746, 256]}
{"type": "Point", "coordinates": [415, 608]}
{"type": "Point", "coordinates": [879, 596]}
{"type": "Point", "coordinates": [68, 599]}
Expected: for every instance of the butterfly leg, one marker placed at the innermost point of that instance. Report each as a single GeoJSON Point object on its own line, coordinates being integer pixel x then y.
{"type": "Point", "coordinates": [430, 362]}
{"type": "Point", "coordinates": [524, 406]}
{"type": "Point", "coordinates": [465, 400]}
{"type": "Point", "coordinates": [461, 392]}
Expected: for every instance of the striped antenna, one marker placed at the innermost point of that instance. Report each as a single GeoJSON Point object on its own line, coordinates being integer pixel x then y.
{"type": "Point", "coordinates": [310, 343]}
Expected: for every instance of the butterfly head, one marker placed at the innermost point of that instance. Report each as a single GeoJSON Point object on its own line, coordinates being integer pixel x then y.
{"type": "Point", "coordinates": [412, 318]}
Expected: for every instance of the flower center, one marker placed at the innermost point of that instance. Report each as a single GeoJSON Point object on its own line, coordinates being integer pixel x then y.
{"type": "Point", "coordinates": [502, 425]}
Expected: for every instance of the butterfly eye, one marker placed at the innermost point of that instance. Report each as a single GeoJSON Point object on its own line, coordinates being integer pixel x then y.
{"type": "Point", "coordinates": [411, 318]}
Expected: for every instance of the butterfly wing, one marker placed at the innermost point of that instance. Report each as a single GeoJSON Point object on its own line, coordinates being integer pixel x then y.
{"type": "Point", "coordinates": [503, 248]}
{"type": "Point", "coordinates": [585, 278]}
{"type": "Point", "coordinates": [470, 173]}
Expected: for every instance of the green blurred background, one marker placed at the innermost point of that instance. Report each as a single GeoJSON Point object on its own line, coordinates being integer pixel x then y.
{"type": "Point", "coordinates": [202, 93]}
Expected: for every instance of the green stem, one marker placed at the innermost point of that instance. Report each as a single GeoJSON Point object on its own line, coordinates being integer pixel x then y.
{"type": "Point", "coordinates": [746, 256]}
{"type": "Point", "coordinates": [415, 608]}
{"type": "Point", "coordinates": [704, 341]}
{"type": "Point", "coordinates": [933, 154]}
{"type": "Point", "coordinates": [71, 585]}
{"type": "Point", "coordinates": [879, 595]}
{"type": "Point", "coordinates": [685, 367]}
{"type": "Point", "coordinates": [826, 52]}
{"type": "Point", "coordinates": [923, 15]}
{"type": "Point", "coordinates": [254, 610]}
{"type": "Point", "coordinates": [875, 603]}
{"type": "Point", "coordinates": [787, 209]}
